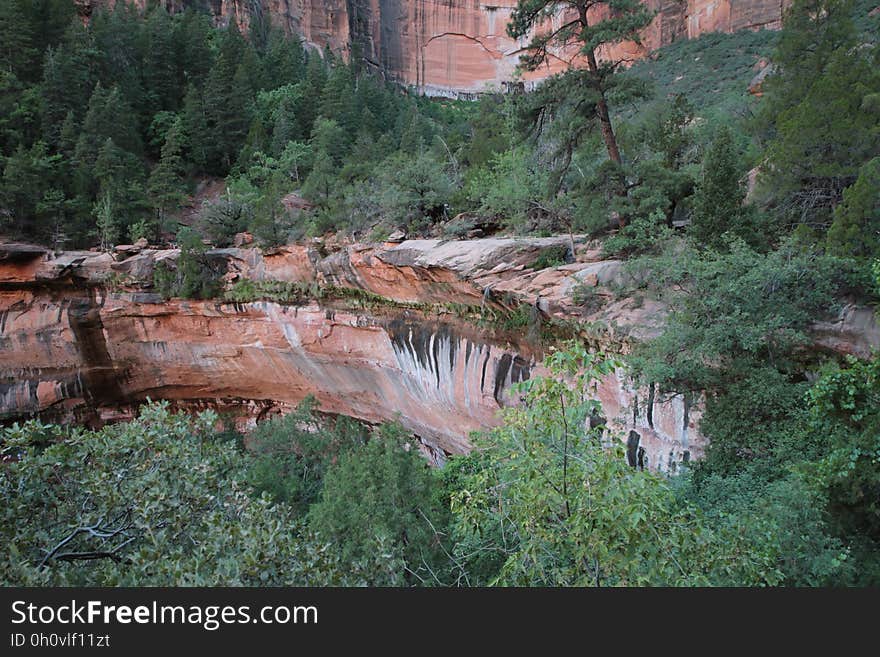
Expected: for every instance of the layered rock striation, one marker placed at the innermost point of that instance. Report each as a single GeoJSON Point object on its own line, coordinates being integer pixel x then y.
{"type": "Point", "coordinates": [461, 47]}
{"type": "Point", "coordinates": [380, 332]}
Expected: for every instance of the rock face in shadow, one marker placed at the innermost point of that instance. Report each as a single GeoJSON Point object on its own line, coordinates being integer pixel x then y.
{"type": "Point", "coordinates": [461, 47]}
{"type": "Point", "coordinates": [83, 338]}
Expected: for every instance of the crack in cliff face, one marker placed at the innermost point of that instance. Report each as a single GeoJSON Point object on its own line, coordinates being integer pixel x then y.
{"type": "Point", "coordinates": [100, 378]}
{"type": "Point", "coordinates": [493, 53]}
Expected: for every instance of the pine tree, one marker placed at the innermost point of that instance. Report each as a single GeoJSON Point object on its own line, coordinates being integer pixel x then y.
{"type": "Point", "coordinates": [320, 182]}
{"type": "Point", "coordinates": [69, 74]}
{"type": "Point", "coordinates": [312, 87]}
{"type": "Point", "coordinates": [27, 175]}
{"type": "Point", "coordinates": [590, 27]}
{"type": "Point", "coordinates": [819, 118]}
{"type": "Point", "coordinates": [228, 96]}
{"type": "Point", "coordinates": [166, 188]}
{"type": "Point", "coordinates": [856, 228]}
{"type": "Point", "coordinates": [194, 56]}
{"type": "Point", "coordinates": [717, 204]}
{"type": "Point", "coordinates": [16, 39]}
{"type": "Point", "coordinates": [284, 59]}
{"type": "Point", "coordinates": [328, 137]}
{"type": "Point", "coordinates": [117, 36]}
{"type": "Point", "coordinates": [194, 123]}
{"type": "Point", "coordinates": [160, 73]}
{"type": "Point", "coordinates": [337, 100]}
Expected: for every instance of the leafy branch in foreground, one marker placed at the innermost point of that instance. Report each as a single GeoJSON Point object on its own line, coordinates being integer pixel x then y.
{"type": "Point", "coordinates": [546, 501]}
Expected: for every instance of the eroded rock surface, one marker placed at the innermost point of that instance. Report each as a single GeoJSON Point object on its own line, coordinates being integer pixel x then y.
{"type": "Point", "coordinates": [84, 337]}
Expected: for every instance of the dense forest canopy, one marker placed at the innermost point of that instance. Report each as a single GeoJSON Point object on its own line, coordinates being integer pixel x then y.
{"type": "Point", "coordinates": [751, 217]}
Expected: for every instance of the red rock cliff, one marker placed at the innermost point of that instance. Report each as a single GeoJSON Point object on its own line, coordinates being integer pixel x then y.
{"type": "Point", "coordinates": [81, 335]}
{"type": "Point", "coordinates": [461, 46]}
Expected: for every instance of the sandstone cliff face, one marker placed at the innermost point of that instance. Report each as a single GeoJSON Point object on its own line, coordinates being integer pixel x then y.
{"type": "Point", "coordinates": [82, 338]}
{"type": "Point", "coordinates": [460, 47]}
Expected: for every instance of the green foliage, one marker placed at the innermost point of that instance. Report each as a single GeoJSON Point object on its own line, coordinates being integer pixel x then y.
{"type": "Point", "coordinates": [509, 187]}
{"type": "Point", "coordinates": [157, 501]}
{"type": "Point", "coordinates": [292, 453]}
{"type": "Point", "coordinates": [225, 217]}
{"type": "Point", "coordinates": [165, 185]}
{"type": "Point", "coordinates": [856, 228]}
{"type": "Point", "coordinates": [846, 411]}
{"type": "Point", "coordinates": [718, 210]}
{"type": "Point", "coordinates": [819, 119]}
{"type": "Point", "coordinates": [711, 72]}
{"type": "Point", "coordinates": [106, 222]}
{"type": "Point", "coordinates": [551, 257]}
{"type": "Point", "coordinates": [732, 310]}
{"type": "Point", "coordinates": [552, 504]}
{"type": "Point", "coordinates": [384, 492]}
{"type": "Point", "coordinates": [193, 276]}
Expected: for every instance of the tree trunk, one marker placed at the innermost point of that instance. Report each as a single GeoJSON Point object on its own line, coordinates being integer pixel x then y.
{"type": "Point", "coordinates": [602, 112]}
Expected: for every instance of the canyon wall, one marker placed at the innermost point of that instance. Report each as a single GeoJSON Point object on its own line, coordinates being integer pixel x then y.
{"type": "Point", "coordinates": [406, 331]}
{"type": "Point", "coordinates": [82, 338]}
{"type": "Point", "coordinates": [461, 47]}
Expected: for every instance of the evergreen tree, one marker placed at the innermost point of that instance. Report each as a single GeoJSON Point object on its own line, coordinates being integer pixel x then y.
{"type": "Point", "coordinates": [166, 188]}
{"type": "Point", "coordinates": [192, 37]}
{"type": "Point", "coordinates": [16, 40]}
{"type": "Point", "coordinates": [384, 490]}
{"type": "Point", "coordinates": [856, 228]}
{"type": "Point", "coordinates": [337, 100]}
{"type": "Point", "coordinates": [160, 74]}
{"type": "Point", "coordinates": [822, 122]}
{"type": "Point", "coordinates": [329, 137]}
{"type": "Point", "coordinates": [117, 36]}
{"type": "Point", "coordinates": [194, 124]}
{"type": "Point", "coordinates": [27, 175]}
{"type": "Point", "coordinates": [313, 87]}
{"type": "Point", "coordinates": [719, 195]}
{"type": "Point", "coordinates": [591, 26]}
{"type": "Point", "coordinates": [321, 181]}
{"type": "Point", "coordinates": [69, 74]}
{"type": "Point", "coordinates": [284, 59]}
{"type": "Point", "coordinates": [228, 96]}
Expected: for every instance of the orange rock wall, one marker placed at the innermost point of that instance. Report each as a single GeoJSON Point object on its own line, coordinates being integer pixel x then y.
{"type": "Point", "coordinates": [73, 347]}
{"type": "Point", "coordinates": [456, 47]}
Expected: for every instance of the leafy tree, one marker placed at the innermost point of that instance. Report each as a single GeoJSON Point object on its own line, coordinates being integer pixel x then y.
{"type": "Point", "coordinates": [733, 310]}
{"type": "Point", "coordinates": [509, 188]}
{"type": "Point", "coordinates": [845, 403]}
{"type": "Point", "coordinates": [559, 506]}
{"type": "Point", "coordinates": [383, 492]}
{"type": "Point", "coordinates": [106, 221]}
{"type": "Point", "coordinates": [159, 501]}
{"type": "Point", "coordinates": [292, 453]}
